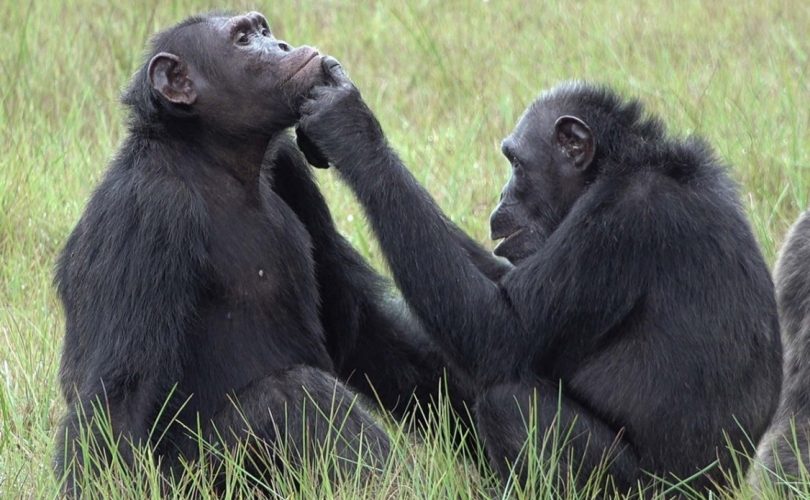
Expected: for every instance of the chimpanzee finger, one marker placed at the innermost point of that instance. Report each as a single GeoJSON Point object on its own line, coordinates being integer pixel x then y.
{"type": "Point", "coordinates": [334, 71]}
{"type": "Point", "coordinates": [311, 152]}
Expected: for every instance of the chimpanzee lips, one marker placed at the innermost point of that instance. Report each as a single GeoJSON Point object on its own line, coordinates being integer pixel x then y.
{"type": "Point", "coordinates": [497, 234]}
{"type": "Point", "coordinates": [505, 238]}
{"type": "Point", "coordinates": [307, 59]}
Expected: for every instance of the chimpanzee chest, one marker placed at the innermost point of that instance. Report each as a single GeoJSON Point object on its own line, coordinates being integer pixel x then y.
{"type": "Point", "coordinates": [261, 311]}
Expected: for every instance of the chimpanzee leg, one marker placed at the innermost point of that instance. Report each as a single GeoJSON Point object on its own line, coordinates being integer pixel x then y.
{"type": "Point", "coordinates": [504, 413]}
{"type": "Point", "coordinates": [297, 416]}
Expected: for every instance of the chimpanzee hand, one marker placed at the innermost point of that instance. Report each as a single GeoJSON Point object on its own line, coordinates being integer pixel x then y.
{"type": "Point", "coordinates": [311, 152]}
{"type": "Point", "coordinates": [335, 123]}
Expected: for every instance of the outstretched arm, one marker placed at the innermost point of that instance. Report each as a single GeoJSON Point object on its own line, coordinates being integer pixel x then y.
{"type": "Point", "coordinates": [491, 266]}
{"type": "Point", "coordinates": [458, 303]}
{"type": "Point", "coordinates": [129, 279]}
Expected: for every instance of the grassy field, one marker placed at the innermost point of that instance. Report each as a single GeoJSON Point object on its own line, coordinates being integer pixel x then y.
{"type": "Point", "coordinates": [447, 79]}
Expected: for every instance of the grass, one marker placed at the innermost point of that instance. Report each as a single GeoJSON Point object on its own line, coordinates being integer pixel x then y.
{"type": "Point", "coordinates": [448, 79]}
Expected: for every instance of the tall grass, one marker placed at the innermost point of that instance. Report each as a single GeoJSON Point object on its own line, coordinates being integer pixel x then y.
{"type": "Point", "coordinates": [448, 79]}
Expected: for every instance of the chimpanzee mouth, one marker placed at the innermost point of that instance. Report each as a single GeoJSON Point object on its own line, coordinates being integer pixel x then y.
{"type": "Point", "coordinates": [504, 234]}
{"type": "Point", "coordinates": [506, 238]}
{"type": "Point", "coordinates": [309, 57]}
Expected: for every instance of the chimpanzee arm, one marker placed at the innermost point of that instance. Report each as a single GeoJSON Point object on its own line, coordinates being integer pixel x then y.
{"type": "Point", "coordinates": [466, 311]}
{"type": "Point", "coordinates": [493, 267]}
{"type": "Point", "coordinates": [592, 272]}
{"type": "Point", "coordinates": [129, 279]}
{"type": "Point", "coordinates": [375, 344]}
{"type": "Point", "coordinates": [345, 281]}
{"type": "Point", "coordinates": [476, 321]}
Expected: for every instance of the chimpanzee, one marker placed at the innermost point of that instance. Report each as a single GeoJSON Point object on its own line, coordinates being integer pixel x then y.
{"type": "Point", "coordinates": [638, 290]}
{"type": "Point", "coordinates": [786, 446]}
{"type": "Point", "coordinates": [206, 269]}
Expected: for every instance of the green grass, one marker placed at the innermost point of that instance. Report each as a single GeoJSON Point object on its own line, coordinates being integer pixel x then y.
{"type": "Point", "coordinates": [447, 79]}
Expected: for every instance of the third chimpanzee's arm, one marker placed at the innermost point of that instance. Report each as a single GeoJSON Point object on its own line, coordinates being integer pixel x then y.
{"type": "Point", "coordinates": [375, 344]}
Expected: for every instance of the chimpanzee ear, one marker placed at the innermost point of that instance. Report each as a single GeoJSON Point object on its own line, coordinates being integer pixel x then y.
{"type": "Point", "coordinates": [168, 74]}
{"type": "Point", "coordinates": [575, 139]}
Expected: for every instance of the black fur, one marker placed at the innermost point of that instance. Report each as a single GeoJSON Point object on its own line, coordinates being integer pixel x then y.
{"type": "Point", "coordinates": [785, 449]}
{"type": "Point", "coordinates": [207, 265]}
{"type": "Point", "coordinates": [646, 298]}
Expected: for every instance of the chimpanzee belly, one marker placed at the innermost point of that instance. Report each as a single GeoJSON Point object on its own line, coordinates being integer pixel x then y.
{"type": "Point", "coordinates": [261, 313]}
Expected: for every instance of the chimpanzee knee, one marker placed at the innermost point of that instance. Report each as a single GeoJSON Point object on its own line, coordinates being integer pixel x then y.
{"type": "Point", "coordinates": [518, 422]}
{"type": "Point", "coordinates": [301, 415]}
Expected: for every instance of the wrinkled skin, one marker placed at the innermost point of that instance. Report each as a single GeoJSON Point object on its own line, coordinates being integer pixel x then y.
{"type": "Point", "coordinates": [258, 65]}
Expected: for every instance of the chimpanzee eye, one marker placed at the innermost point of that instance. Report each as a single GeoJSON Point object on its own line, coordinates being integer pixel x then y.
{"type": "Point", "coordinates": [242, 38]}
{"type": "Point", "coordinates": [509, 153]}
{"type": "Point", "coordinates": [516, 163]}
{"type": "Point", "coordinates": [265, 32]}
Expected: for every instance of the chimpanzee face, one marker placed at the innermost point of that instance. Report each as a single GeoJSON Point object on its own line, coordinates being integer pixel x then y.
{"type": "Point", "coordinates": [234, 75]}
{"type": "Point", "coordinates": [550, 153]}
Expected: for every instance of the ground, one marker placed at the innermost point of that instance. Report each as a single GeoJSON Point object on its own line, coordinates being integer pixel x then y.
{"type": "Point", "coordinates": [447, 79]}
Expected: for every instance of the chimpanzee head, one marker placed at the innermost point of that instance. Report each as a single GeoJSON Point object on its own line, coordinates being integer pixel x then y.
{"type": "Point", "coordinates": [566, 141]}
{"type": "Point", "coordinates": [226, 73]}
{"type": "Point", "coordinates": [551, 153]}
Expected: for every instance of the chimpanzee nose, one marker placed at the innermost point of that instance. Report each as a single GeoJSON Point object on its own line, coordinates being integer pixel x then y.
{"type": "Point", "coordinates": [284, 46]}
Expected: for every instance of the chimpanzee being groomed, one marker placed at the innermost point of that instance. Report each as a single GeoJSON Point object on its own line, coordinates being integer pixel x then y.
{"type": "Point", "coordinates": [638, 290]}
{"type": "Point", "coordinates": [206, 267]}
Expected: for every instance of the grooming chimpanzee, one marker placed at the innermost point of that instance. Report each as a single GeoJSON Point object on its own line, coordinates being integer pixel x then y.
{"type": "Point", "coordinates": [637, 286]}
{"type": "Point", "coordinates": [786, 446]}
{"type": "Point", "coordinates": [206, 265]}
